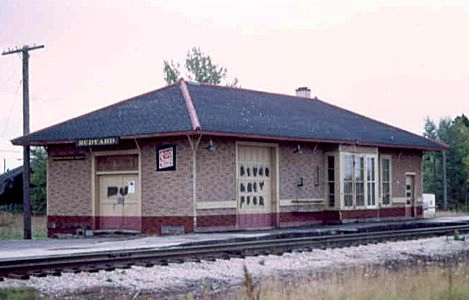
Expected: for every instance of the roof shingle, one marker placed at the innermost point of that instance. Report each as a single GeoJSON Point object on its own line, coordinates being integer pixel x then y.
{"type": "Point", "coordinates": [160, 111]}
{"type": "Point", "coordinates": [230, 111]}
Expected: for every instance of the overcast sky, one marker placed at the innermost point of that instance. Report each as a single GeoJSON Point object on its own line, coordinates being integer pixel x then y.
{"type": "Point", "coordinates": [395, 61]}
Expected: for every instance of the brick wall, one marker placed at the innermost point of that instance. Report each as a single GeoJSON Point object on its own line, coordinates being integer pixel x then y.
{"type": "Point", "coordinates": [216, 170]}
{"type": "Point", "coordinates": [167, 193]}
{"type": "Point", "coordinates": [402, 162]}
{"type": "Point", "coordinates": [69, 183]}
{"type": "Point", "coordinates": [293, 166]}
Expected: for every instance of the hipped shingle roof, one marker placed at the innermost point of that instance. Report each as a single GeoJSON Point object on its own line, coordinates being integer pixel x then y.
{"type": "Point", "coordinates": [188, 108]}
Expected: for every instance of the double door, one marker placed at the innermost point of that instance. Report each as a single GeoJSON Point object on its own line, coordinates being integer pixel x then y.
{"type": "Point", "coordinates": [119, 205]}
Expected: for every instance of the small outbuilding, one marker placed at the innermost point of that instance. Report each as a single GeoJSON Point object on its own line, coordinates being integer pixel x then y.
{"type": "Point", "coordinates": [11, 188]}
{"type": "Point", "coordinates": [197, 157]}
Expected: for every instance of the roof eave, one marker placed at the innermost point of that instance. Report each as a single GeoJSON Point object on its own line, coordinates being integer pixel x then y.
{"type": "Point", "coordinates": [440, 147]}
{"type": "Point", "coordinates": [19, 142]}
{"type": "Point", "coordinates": [327, 141]}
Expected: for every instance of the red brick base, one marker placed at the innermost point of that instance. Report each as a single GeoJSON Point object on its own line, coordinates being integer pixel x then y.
{"type": "Point", "coordinates": [216, 221]}
{"type": "Point", "coordinates": [71, 225]}
{"type": "Point", "coordinates": [386, 213]}
{"type": "Point", "coordinates": [154, 224]}
{"type": "Point", "coordinates": [300, 218]}
{"type": "Point", "coordinates": [57, 225]}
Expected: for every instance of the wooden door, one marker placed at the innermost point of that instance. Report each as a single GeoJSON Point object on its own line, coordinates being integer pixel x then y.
{"type": "Point", "coordinates": [254, 185]}
{"type": "Point", "coordinates": [119, 202]}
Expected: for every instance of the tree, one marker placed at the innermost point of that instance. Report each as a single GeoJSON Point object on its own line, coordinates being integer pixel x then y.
{"type": "Point", "coordinates": [455, 133]}
{"type": "Point", "coordinates": [199, 67]}
{"type": "Point", "coordinates": [432, 165]}
{"type": "Point", "coordinates": [171, 72]}
{"type": "Point", "coordinates": [38, 181]}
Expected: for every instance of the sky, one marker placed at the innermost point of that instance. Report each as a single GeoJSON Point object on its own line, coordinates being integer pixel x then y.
{"type": "Point", "coordinates": [395, 61]}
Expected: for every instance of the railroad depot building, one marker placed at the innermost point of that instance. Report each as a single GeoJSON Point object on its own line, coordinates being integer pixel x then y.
{"type": "Point", "coordinates": [196, 157]}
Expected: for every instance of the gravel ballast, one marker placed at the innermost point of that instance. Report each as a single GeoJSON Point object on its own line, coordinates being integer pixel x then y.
{"type": "Point", "coordinates": [223, 274]}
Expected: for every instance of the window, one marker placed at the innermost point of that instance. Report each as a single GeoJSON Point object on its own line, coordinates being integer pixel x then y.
{"type": "Point", "coordinates": [331, 180]}
{"type": "Point", "coordinates": [359, 171]}
{"type": "Point", "coordinates": [117, 163]}
{"type": "Point", "coordinates": [371, 181]}
{"type": "Point", "coordinates": [359, 180]}
{"type": "Point", "coordinates": [348, 180]}
{"type": "Point", "coordinates": [386, 180]}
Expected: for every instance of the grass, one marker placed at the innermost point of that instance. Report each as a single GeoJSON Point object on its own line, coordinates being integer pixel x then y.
{"type": "Point", "coordinates": [420, 280]}
{"type": "Point", "coordinates": [449, 213]}
{"type": "Point", "coordinates": [11, 226]}
{"type": "Point", "coordinates": [19, 293]}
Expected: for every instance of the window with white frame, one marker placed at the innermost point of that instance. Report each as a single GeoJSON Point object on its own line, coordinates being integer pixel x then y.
{"type": "Point", "coordinates": [386, 180]}
{"type": "Point", "coordinates": [371, 181]}
{"type": "Point", "coordinates": [359, 180]}
{"type": "Point", "coordinates": [347, 163]}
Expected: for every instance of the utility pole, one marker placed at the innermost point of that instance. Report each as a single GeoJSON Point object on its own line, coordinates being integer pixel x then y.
{"type": "Point", "coordinates": [26, 167]}
{"type": "Point", "coordinates": [445, 184]}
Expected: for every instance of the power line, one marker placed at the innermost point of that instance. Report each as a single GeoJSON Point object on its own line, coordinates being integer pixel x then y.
{"type": "Point", "coordinates": [12, 106]}
{"type": "Point", "coordinates": [10, 151]}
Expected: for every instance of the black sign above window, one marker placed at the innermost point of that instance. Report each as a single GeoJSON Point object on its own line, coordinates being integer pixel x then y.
{"type": "Point", "coordinates": [166, 158]}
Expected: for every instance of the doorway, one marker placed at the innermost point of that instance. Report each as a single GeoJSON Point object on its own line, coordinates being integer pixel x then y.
{"type": "Point", "coordinates": [118, 194]}
{"type": "Point", "coordinates": [254, 185]}
{"type": "Point", "coordinates": [410, 195]}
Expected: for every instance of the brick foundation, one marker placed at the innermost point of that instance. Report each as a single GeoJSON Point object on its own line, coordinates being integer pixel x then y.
{"type": "Point", "coordinates": [419, 211]}
{"type": "Point", "coordinates": [331, 217]}
{"type": "Point", "coordinates": [216, 221]}
{"type": "Point", "coordinates": [59, 225]}
{"type": "Point", "coordinates": [154, 224]}
{"type": "Point", "coordinates": [383, 213]}
{"type": "Point", "coordinates": [300, 218]}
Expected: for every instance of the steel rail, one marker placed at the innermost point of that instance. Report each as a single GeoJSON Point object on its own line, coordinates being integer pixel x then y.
{"type": "Point", "coordinates": [24, 267]}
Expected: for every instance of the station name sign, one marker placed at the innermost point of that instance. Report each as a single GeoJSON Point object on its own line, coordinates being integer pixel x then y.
{"type": "Point", "coordinates": [98, 142]}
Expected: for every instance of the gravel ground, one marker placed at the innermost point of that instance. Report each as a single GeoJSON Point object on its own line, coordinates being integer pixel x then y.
{"type": "Point", "coordinates": [180, 279]}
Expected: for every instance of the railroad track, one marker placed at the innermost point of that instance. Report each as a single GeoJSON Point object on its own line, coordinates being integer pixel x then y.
{"type": "Point", "coordinates": [23, 268]}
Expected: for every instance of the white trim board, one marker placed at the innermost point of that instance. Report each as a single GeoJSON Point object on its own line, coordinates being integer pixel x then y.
{"type": "Point", "coordinates": [216, 204]}
{"type": "Point", "coordinates": [296, 202]}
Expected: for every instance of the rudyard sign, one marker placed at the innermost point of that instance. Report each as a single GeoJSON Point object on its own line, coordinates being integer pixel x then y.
{"type": "Point", "coordinates": [97, 142]}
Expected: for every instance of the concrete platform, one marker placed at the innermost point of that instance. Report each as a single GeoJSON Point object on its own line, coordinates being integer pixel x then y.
{"type": "Point", "coordinates": [30, 248]}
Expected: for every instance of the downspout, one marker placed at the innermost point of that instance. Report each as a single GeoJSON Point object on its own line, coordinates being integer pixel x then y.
{"type": "Point", "coordinates": [140, 182]}
{"type": "Point", "coordinates": [194, 146]}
